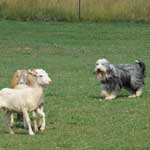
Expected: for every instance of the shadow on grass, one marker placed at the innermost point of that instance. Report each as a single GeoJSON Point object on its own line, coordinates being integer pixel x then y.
{"type": "Point", "coordinates": [119, 97]}
{"type": "Point", "coordinates": [15, 133]}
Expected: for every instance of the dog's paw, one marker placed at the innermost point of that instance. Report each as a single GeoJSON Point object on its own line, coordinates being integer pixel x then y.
{"type": "Point", "coordinates": [132, 96]}
{"type": "Point", "coordinates": [110, 97]}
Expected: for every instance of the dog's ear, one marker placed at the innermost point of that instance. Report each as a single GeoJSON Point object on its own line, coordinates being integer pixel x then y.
{"type": "Point", "coordinates": [110, 71]}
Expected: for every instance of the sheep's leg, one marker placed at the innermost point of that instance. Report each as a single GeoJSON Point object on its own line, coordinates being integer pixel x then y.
{"type": "Point", "coordinates": [11, 120]}
{"type": "Point", "coordinates": [35, 121]}
{"type": "Point", "coordinates": [7, 122]}
{"type": "Point", "coordinates": [27, 119]}
{"type": "Point", "coordinates": [24, 123]}
{"type": "Point", "coordinates": [42, 115]}
{"type": "Point", "coordinates": [40, 121]}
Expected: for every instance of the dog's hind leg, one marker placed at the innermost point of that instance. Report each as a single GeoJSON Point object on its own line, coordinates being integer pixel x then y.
{"type": "Point", "coordinates": [139, 91]}
{"type": "Point", "coordinates": [132, 93]}
{"type": "Point", "coordinates": [132, 96]}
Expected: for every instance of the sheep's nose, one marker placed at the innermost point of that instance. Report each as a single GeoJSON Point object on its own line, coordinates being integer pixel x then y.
{"type": "Point", "coordinates": [21, 82]}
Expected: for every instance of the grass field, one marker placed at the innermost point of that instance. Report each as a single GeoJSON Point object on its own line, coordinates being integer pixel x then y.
{"type": "Point", "coordinates": [76, 117]}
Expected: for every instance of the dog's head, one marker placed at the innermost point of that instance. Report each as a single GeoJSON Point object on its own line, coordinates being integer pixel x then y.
{"type": "Point", "coordinates": [103, 69]}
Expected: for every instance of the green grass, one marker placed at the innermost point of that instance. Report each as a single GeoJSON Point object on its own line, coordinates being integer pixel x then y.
{"type": "Point", "coordinates": [76, 119]}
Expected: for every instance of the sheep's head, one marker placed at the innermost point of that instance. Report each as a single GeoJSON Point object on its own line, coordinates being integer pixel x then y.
{"type": "Point", "coordinates": [20, 77]}
{"type": "Point", "coordinates": [40, 76]}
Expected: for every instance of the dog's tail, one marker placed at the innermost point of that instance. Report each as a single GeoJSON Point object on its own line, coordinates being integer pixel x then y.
{"type": "Point", "coordinates": [142, 66]}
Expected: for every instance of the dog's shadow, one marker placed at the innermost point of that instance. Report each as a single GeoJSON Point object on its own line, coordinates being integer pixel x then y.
{"type": "Point", "coordinates": [119, 97]}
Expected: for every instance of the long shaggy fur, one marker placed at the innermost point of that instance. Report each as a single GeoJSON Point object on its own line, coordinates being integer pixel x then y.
{"type": "Point", "coordinates": [114, 77]}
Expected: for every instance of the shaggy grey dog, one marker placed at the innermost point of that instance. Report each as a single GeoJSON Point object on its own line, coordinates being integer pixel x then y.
{"type": "Point", "coordinates": [114, 77]}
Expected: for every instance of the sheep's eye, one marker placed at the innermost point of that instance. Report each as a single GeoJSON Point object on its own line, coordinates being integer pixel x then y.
{"type": "Point", "coordinates": [40, 76]}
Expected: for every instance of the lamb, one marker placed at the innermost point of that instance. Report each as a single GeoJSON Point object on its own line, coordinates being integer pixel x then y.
{"type": "Point", "coordinates": [25, 100]}
{"type": "Point", "coordinates": [19, 80]}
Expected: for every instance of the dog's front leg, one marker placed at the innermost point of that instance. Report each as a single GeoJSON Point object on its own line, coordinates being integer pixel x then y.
{"type": "Point", "coordinates": [104, 94]}
{"type": "Point", "coordinates": [111, 96]}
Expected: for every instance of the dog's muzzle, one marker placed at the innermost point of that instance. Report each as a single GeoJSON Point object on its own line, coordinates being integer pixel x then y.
{"type": "Point", "coordinates": [99, 71]}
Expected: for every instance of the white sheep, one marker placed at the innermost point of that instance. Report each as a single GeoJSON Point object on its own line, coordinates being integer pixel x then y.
{"type": "Point", "coordinates": [27, 99]}
{"type": "Point", "coordinates": [20, 80]}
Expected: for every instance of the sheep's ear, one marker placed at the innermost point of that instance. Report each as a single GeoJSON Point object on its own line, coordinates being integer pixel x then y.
{"type": "Point", "coordinates": [32, 72]}
{"type": "Point", "coordinates": [18, 71]}
{"type": "Point", "coordinates": [29, 71]}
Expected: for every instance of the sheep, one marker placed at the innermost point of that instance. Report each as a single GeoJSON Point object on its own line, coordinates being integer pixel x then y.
{"type": "Point", "coordinates": [25, 100]}
{"type": "Point", "coordinates": [19, 80]}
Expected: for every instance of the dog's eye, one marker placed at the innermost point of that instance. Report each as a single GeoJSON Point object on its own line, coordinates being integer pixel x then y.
{"type": "Point", "coordinates": [40, 76]}
{"type": "Point", "coordinates": [97, 64]}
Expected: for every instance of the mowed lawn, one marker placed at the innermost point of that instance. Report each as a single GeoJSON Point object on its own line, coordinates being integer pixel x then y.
{"type": "Point", "coordinates": [76, 117]}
